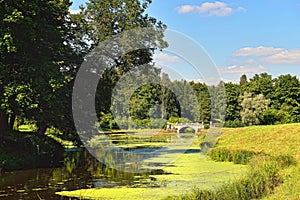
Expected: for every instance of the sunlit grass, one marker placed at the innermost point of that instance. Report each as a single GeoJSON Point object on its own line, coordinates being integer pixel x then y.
{"type": "Point", "coordinates": [273, 140]}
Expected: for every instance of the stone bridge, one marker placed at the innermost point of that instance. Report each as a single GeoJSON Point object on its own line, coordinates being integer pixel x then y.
{"type": "Point", "coordinates": [180, 126]}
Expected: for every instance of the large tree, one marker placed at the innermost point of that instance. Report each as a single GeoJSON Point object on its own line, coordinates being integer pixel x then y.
{"type": "Point", "coordinates": [233, 109]}
{"type": "Point", "coordinates": [103, 20]}
{"type": "Point", "coordinates": [42, 46]}
{"type": "Point", "coordinates": [35, 59]}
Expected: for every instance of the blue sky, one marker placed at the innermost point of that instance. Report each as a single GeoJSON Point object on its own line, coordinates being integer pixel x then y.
{"type": "Point", "coordinates": [242, 36]}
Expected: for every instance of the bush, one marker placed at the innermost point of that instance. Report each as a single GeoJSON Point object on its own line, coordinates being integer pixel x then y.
{"type": "Point", "coordinates": [243, 157]}
{"type": "Point", "coordinates": [221, 155]}
{"type": "Point", "coordinates": [272, 116]}
{"type": "Point", "coordinates": [234, 124]}
{"type": "Point", "coordinates": [178, 120]}
{"type": "Point", "coordinates": [286, 160]}
{"type": "Point", "coordinates": [206, 126]}
{"type": "Point", "coordinates": [158, 123]}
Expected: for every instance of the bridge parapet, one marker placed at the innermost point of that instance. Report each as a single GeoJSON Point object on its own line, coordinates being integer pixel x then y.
{"type": "Point", "coordinates": [180, 126]}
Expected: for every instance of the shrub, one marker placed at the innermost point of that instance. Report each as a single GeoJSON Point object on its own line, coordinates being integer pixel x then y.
{"type": "Point", "coordinates": [221, 155]}
{"type": "Point", "coordinates": [178, 120]}
{"type": "Point", "coordinates": [206, 126]}
{"type": "Point", "coordinates": [286, 160]}
{"type": "Point", "coordinates": [234, 124]}
{"type": "Point", "coordinates": [242, 157]}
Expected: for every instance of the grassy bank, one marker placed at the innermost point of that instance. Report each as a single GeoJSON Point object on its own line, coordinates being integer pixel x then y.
{"type": "Point", "coordinates": [273, 154]}
{"type": "Point", "coordinates": [275, 140]}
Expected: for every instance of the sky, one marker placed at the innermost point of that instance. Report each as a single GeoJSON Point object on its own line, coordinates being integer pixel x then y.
{"type": "Point", "coordinates": [240, 37]}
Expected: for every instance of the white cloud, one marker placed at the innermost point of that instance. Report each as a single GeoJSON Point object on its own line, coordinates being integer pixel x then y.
{"type": "Point", "coordinates": [270, 55]}
{"type": "Point", "coordinates": [242, 69]}
{"type": "Point", "coordinates": [74, 12]}
{"type": "Point", "coordinates": [217, 8]}
{"type": "Point", "coordinates": [257, 51]}
{"type": "Point", "coordinates": [186, 9]}
{"type": "Point", "coordinates": [284, 57]}
{"type": "Point", "coordinates": [162, 58]}
{"type": "Point", "coordinates": [212, 9]}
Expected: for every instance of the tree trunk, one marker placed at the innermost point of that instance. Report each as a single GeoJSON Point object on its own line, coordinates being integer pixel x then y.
{"type": "Point", "coordinates": [3, 123]}
{"type": "Point", "coordinates": [12, 119]}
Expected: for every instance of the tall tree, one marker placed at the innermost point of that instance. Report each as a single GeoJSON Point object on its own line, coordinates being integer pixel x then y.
{"type": "Point", "coordinates": [204, 101]}
{"type": "Point", "coordinates": [233, 102]}
{"type": "Point", "coordinates": [243, 80]}
{"type": "Point", "coordinates": [34, 51]}
{"type": "Point", "coordinates": [105, 19]}
{"type": "Point", "coordinates": [286, 95]}
{"type": "Point", "coordinates": [219, 101]}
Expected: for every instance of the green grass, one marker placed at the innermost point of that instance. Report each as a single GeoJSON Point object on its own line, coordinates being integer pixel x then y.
{"type": "Point", "coordinates": [273, 140]}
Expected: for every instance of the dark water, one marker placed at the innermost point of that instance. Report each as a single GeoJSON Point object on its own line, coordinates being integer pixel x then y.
{"type": "Point", "coordinates": [79, 170]}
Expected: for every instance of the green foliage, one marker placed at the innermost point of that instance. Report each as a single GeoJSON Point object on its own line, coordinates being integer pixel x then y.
{"type": "Point", "coordinates": [15, 161]}
{"type": "Point", "coordinates": [243, 80]}
{"type": "Point", "coordinates": [204, 101]}
{"type": "Point", "coordinates": [285, 160]}
{"type": "Point", "coordinates": [253, 107]}
{"type": "Point", "coordinates": [219, 103]}
{"type": "Point", "coordinates": [221, 155]}
{"type": "Point", "coordinates": [282, 91]}
{"type": "Point", "coordinates": [272, 116]}
{"type": "Point", "coordinates": [234, 124]}
{"type": "Point", "coordinates": [245, 157]}
{"type": "Point", "coordinates": [236, 156]}
{"type": "Point", "coordinates": [178, 120]}
{"type": "Point", "coordinates": [233, 109]}
{"type": "Point", "coordinates": [206, 126]}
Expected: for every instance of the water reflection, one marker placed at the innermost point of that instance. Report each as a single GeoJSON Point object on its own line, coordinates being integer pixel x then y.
{"type": "Point", "coordinates": [79, 170]}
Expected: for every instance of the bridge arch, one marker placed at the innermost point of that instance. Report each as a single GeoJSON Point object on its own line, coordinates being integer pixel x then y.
{"type": "Point", "coordinates": [187, 126]}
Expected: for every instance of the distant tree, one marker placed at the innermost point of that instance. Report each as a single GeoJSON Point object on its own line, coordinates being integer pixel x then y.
{"type": "Point", "coordinates": [286, 95]}
{"type": "Point", "coordinates": [218, 102]}
{"type": "Point", "coordinates": [233, 102]}
{"type": "Point", "coordinates": [187, 98]}
{"type": "Point", "coordinates": [204, 101]}
{"type": "Point", "coordinates": [260, 84]}
{"type": "Point", "coordinates": [243, 80]}
{"type": "Point", "coordinates": [253, 108]}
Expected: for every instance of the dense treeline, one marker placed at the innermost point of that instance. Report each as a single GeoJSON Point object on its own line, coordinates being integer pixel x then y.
{"type": "Point", "coordinates": [262, 100]}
